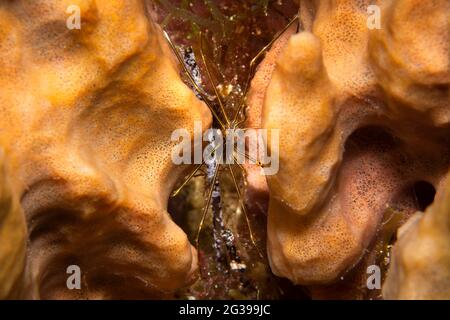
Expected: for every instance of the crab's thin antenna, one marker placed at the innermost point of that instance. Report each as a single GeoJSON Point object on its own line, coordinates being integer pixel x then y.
{"type": "Point", "coordinates": [222, 109]}
{"type": "Point", "coordinates": [188, 178]}
{"type": "Point", "coordinates": [206, 208]}
{"type": "Point", "coordinates": [255, 60]}
{"type": "Point", "coordinates": [247, 218]}
{"type": "Point", "coordinates": [200, 91]}
{"type": "Point", "coordinates": [248, 157]}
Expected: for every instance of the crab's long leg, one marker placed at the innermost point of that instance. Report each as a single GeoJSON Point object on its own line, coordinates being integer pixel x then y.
{"type": "Point", "coordinates": [237, 162]}
{"type": "Point", "coordinates": [191, 175]}
{"type": "Point", "coordinates": [188, 178]}
{"type": "Point", "coordinates": [206, 208]}
{"type": "Point", "coordinates": [255, 60]}
{"type": "Point", "coordinates": [181, 61]}
{"type": "Point", "coordinates": [193, 82]}
{"type": "Point", "coordinates": [212, 80]}
{"type": "Point", "coordinates": [249, 158]}
{"type": "Point", "coordinates": [247, 218]}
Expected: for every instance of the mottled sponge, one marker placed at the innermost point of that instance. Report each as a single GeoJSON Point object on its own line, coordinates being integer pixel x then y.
{"type": "Point", "coordinates": [86, 119]}
{"type": "Point", "coordinates": [363, 117]}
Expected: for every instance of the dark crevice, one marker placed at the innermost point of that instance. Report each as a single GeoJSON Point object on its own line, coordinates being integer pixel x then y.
{"type": "Point", "coordinates": [424, 193]}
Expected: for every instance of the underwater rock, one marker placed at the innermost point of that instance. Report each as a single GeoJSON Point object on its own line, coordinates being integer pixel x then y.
{"type": "Point", "coordinates": [87, 117]}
